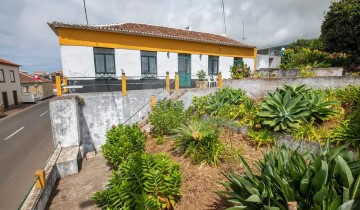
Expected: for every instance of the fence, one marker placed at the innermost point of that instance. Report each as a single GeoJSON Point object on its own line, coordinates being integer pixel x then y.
{"type": "Point", "coordinates": [124, 83]}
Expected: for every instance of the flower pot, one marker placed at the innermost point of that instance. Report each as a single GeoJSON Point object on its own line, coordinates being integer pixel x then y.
{"type": "Point", "coordinates": [201, 84]}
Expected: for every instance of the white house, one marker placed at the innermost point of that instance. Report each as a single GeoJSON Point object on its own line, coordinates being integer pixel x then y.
{"type": "Point", "coordinates": [10, 88]}
{"type": "Point", "coordinates": [92, 52]}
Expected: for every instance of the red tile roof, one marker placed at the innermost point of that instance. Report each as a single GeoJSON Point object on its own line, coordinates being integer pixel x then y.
{"type": "Point", "coordinates": [154, 31]}
{"type": "Point", "coordinates": [5, 62]}
{"type": "Point", "coordinates": [26, 78]}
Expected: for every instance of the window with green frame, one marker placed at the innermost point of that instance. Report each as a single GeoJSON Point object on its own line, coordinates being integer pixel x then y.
{"type": "Point", "coordinates": [148, 63]}
{"type": "Point", "coordinates": [238, 61]}
{"type": "Point", "coordinates": [104, 61]}
{"type": "Point", "coordinates": [213, 65]}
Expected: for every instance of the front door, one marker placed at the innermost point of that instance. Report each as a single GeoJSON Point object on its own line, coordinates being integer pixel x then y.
{"type": "Point", "coordinates": [184, 67]}
{"type": "Point", "coordinates": [5, 100]}
{"type": "Point", "coordinates": [16, 102]}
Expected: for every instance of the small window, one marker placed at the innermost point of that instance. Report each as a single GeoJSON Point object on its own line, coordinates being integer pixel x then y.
{"type": "Point", "coordinates": [2, 77]}
{"type": "Point", "coordinates": [104, 61]}
{"type": "Point", "coordinates": [238, 61]}
{"type": "Point", "coordinates": [25, 89]}
{"type": "Point", "coordinates": [271, 60]}
{"type": "Point", "coordinates": [12, 76]}
{"type": "Point", "coordinates": [213, 65]}
{"type": "Point", "coordinates": [148, 63]}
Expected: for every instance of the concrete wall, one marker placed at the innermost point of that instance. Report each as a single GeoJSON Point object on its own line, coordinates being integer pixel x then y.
{"type": "Point", "coordinates": [249, 62]}
{"type": "Point", "coordinates": [9, 86]}
{"type": "Point", "coordinates": [263, 61]}
{"type": "Point", "coordinates": [87, 125]}
{"type": "Point", "coordinates": [258, 88]}
{"type": "Point", "coordinates": [289, 73]}
{"type": "Point", "coordinates": [64, 115]}
{"type": "Point", "coordinates": [225, 64]}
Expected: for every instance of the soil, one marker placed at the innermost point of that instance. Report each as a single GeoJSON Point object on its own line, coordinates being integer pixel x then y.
{"type": "Point", "coordinates": [201, 182]}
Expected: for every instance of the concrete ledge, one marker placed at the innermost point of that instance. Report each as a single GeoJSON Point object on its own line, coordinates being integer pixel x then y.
{"type": "Point", "coordinates": [68, 161]}
{"type": "Point", "coordinates": [38, 198]}
{"type": "Point", "coordinates": [291, 73]}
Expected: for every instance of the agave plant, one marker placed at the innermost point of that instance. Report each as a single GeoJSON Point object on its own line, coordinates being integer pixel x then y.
{"type": "Point", "coordinates": [329, 180]}
{"type": "Point", "coordinates": [222, 97]}
{"type": "Point", "coordinates": [282, 112]}
{"type": "Point", "coordinates": [295, 89]}
{"type": "Point", "coordinates": [318, 106]}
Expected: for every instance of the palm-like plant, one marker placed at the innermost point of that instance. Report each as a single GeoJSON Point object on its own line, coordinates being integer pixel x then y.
{"type": "Point", "coordinates": [330, 180]}
{"type": "Point", "coordinates": [318, 106]}
{"type": "Point", "coordinates": [282, 112]}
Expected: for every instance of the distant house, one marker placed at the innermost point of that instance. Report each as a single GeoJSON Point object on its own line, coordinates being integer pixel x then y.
{"type": "Point", "coordinates": [34, 90]}
{"type": "Point", "coordinates": [92, 52]}
{"type": "Point", "coordinates": [10, 88]}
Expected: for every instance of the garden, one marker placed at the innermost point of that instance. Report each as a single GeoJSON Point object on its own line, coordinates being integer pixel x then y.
{"type": "Point", "coordinates": [222, 152]}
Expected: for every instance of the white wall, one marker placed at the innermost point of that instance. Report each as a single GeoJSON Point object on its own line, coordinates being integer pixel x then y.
{"type": "Point", "coordinates": [77, 61]}
{"type": "Point", "coordinates": [165, 63]}
{"type": "Point", "coordinates": [263, 61]}
{"type": "Point", "coordinates": [9, 86]}
{"type": "Point", "coordinates": [129, 61]}
{"type": "Point", "coordinates": [224, 66]}
{"type": "Point", "coordinates": [198, 64]}
{"type": "Point", "coordinates": [249, 62]}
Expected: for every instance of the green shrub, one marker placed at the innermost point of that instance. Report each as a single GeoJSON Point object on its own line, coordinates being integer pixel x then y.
{"type": "Point", "coordinates": [121, 141]}
{"type": "Point", "coordinates": [284, 112]}
{"type": "Point", "coordinates": [262, 137]}
{"type": "Point", "coordinates": [224, 96]}
{"type": "Point", "coordinates": [198, 140]}
{"type": "Point", "coordinates": [231, 112]}
{"type": "Point", "coordinates": [166, 116]}
{"type": "Point", "coordinates": [199, 104]}
{"type": "Point", "coordinates": [240, 71]}
{"type": "Point", "coordinates": [144, 181]}
{"type": "Point", "coordinates": [319, 107]}
{"type": "Point", "coordinates": [328, 180]}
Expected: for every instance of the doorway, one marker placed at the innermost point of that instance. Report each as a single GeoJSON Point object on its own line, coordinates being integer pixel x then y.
{"type": "Point", "coordinates": [184, 69]}
{"type": "Point", "coordinates": [15, 96]}
{"type": "Point", "coordinates": [5, 100]}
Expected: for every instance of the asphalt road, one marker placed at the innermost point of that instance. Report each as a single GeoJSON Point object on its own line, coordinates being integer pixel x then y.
{"type": "Point", "coordinates": [26, 143]}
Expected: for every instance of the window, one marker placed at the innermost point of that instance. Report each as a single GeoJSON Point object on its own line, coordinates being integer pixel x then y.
{"type": "Point", "coordinates": [12, 76]}
{"type": "Point", "coordinates": [238, 61]}
{"type": "Point", "coordinates": [213, 65]}
{"type": "Point", "coordinates": [104, 61]}
{"type": "Point", "coordinates": [271, 60]}
{"type": "Point", "coordinates": [25, 89]}
{"type": "Point", "coordinates": [2, 77]}
{"type": "Point", "coordinates": [148, 63]}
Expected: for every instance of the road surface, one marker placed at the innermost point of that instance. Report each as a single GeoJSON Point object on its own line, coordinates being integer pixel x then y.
{"type": "Point", "coordinates": [26, 143]}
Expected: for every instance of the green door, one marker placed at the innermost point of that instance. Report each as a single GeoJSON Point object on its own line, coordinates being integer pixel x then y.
{"type": "Point", "coordinates": [184, 67]}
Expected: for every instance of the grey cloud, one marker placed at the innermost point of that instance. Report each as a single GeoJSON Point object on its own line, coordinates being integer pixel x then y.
{"type": "Point", "coordinates": [26, 39]}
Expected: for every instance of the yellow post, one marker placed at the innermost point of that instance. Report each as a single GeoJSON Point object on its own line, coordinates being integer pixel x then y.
{"type": "Point", "coordinates": [167, 82]}
{"type": "Point", "coordinates": [153, 102]}
{"type": "Point", "coordinates": [123, 84]}
{"type": "Point", "coordinates": [40, 181]}
{"type": "Point", "coordinates": [177, 85]}
{"type": "Point", "coordinates": [58, 85]}
{"type": "Point", "coordinates": [220, 84]}
{"type": "Point", "coordinates": [65, 82]}
{"type": "Point", "coordinates": [255, 58]}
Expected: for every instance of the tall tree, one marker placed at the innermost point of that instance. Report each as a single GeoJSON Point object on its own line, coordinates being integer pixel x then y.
{"type": "Point", "coordinates": [340, 30]}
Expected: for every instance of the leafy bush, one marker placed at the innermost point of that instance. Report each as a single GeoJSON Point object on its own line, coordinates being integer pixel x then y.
{"type": "Point", "coordinates": [288, 107]}
{"type": "Point", "coordinates": [328, 180]}
{"type": "Point", "coordinates": [145, 181]}
{"type": "Point", "coordinates": [199, 140]}
{"type": "Point", "coordinates": [349, 129]}
{"type": "Point", "coordinates": [201, 74]}
{"type": "Point", "coordinates": [222, 97]}
{"type": "Point", "coordinates": [306, 71]}
{"type": "Point", "coordinates": [306, 132]}
{"type": "Point", "coordinates": [199, 104]}
{"type": "Point", "coordinates": [284, 112]}
{"type": "Point", "coordinates": [262, 137]}
{"type": "Point", "coordinates": [240, 71]}
{"type": "Point", "coordinates": [121, 141]}
{"type": "Point", "coordinates": [166, 116]}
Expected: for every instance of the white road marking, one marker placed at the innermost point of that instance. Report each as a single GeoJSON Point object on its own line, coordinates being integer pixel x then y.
{"type": "Point", "coordinates": [44, 113]}
{"type": "Point", "coordinates": [14, 133]}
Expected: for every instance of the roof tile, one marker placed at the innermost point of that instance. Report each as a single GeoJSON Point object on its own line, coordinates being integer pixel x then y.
{"type": "Point", "coordinates": [5, 62]}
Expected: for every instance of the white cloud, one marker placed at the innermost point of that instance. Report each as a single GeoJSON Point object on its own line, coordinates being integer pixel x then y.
{"type": "Point", "coordinates": [25, 37]}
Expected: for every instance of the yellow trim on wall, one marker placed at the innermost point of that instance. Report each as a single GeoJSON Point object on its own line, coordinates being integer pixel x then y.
{"type": "Point", "coordinates": [80, 37]}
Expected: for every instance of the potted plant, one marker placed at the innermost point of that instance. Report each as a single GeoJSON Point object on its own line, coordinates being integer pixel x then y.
{"type": "Point", "coordinates": [201, 83]}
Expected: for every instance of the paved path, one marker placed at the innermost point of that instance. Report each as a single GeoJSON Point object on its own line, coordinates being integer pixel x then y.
{"type": "Point", "coordinates": [25, 145]}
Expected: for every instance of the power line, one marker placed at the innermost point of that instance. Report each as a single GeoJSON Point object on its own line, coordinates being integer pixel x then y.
{"type": "Point", "coordinates": [87, 22]}
{"type": "Point", "coordinates": [223, 11]}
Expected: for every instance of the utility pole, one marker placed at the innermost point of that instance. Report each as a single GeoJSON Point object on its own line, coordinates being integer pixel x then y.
{"type": "Point", "coordinates": [243, 32]}
{"type": "Point", "coordinates": [87, 22]}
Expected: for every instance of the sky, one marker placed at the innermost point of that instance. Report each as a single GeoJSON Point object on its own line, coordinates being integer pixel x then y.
{"type": "Point", "coordinates": [26, 39]}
